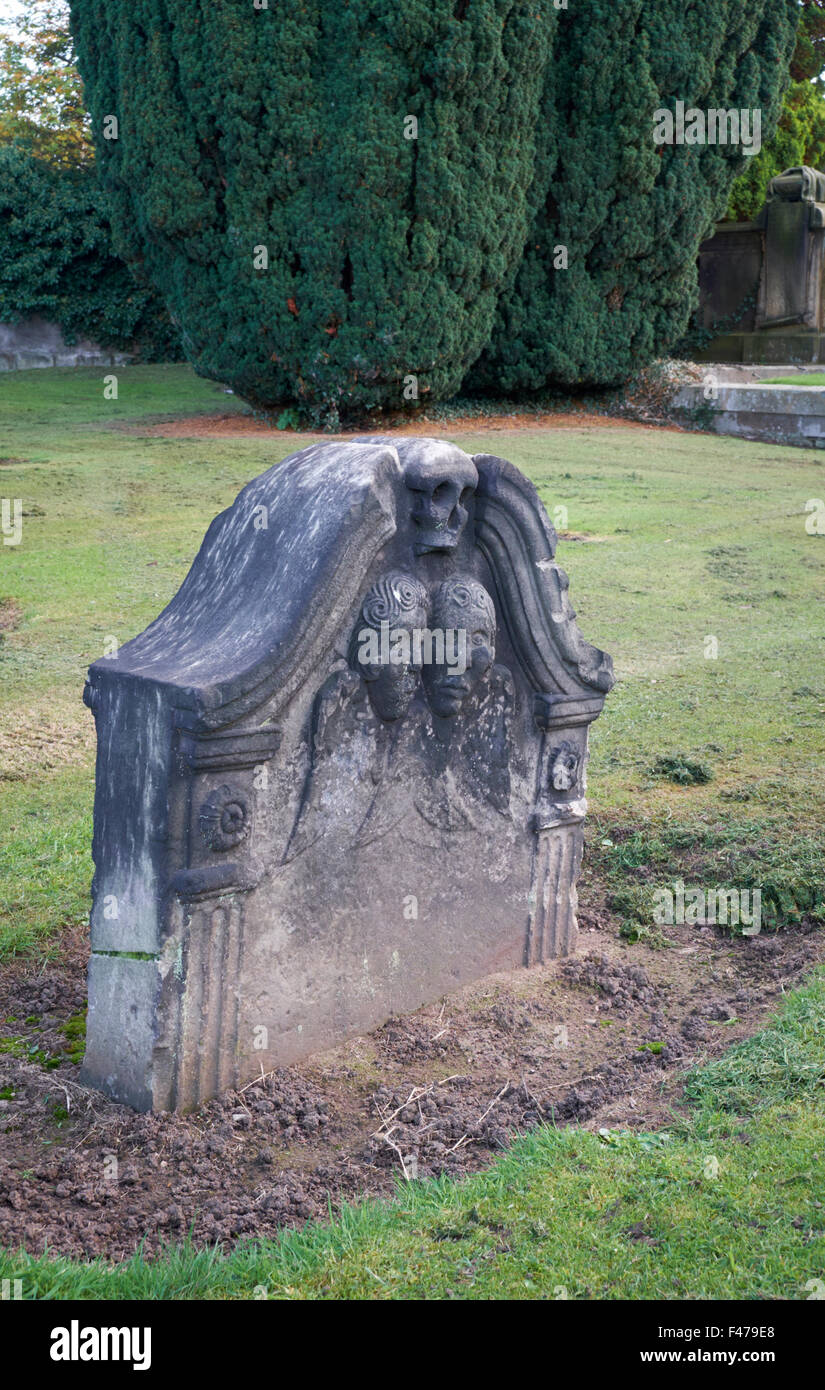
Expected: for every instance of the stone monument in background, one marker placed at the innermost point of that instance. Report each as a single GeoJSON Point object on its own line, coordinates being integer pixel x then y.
{"type": "Point", "coordinates": [343, 772]}
{"type": "Point", "coordinates": [761, 285]}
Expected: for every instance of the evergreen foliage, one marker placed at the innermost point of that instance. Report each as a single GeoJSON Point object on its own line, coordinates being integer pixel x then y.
{"type": "Point", "coordinates": [631, 214]}
{"type": "Point", "coordinates": [56, 261]}
{"type": "Point", "coordinates": [261, 177]}
{"type": "Point", "coordinates": [285, 129]}
{"type": "Point", "coordinates": [800, 135]}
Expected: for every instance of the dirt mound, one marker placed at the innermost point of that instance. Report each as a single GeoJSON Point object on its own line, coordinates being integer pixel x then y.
{"type": "Point", "coordinates": [601, 1039]}
{"type": "Point", "coordinates": [622, 985]}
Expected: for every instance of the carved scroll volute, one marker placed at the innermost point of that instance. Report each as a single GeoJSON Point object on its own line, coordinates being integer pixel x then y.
{"type": "Point", "coordinates": [518, 542]}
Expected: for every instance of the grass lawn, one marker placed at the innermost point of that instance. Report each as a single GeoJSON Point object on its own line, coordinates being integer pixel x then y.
{"type": "Point", "coordinates": [696, 572]}
{"type": "Point", "coordinates": [694, 568]}
{"type": "Point", "coordinates": [808, 379]}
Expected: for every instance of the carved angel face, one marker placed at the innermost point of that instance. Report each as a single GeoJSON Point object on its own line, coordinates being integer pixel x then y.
{"type": "Point", "coordinates": [392, 688]}
{"type": "Point", "coordinates": [383, 649]}
{"type": "Point", "coordinates": [461, 605]}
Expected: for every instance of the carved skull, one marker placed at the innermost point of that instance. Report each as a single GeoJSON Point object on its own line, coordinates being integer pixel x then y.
{"type": "Point", "coordinates": [442, 480]}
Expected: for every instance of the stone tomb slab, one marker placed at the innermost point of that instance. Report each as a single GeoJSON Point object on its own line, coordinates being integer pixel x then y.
{"type": "Point", "coordinates": [343, 772]}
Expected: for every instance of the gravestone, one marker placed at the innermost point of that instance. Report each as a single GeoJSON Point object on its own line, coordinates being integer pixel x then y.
{"type": "Point", "coordinates": [341, 775]}
{"type": "Point", "coordinates": [793, 220]}
{"type": "Point", "coordinates": [761, 283]}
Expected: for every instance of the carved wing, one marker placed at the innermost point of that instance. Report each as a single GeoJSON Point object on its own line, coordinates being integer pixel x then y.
{"type": "Point", "coordinates": [514, 533]}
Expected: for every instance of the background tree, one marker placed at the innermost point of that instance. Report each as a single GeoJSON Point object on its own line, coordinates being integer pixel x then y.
{"type": "Point", "coordinates": [262, 179]}
{"type": "Point", "coordinates": [808, 62]}
{"type": "Point", "coordinates": [630, 215]}
{"type": "Point", "coordinates": [331, 196]}
{"type": "Point", "coordinates": [41, 94]}
{"type": "Point", "coordinates": [800, 135]}
{"type": "Point", "coordinates": [56, 261]}
{"type": "Point", "coordinates": [56, 257]}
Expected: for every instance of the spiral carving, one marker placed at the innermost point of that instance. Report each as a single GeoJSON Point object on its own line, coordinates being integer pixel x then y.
{"type": "Point", "coordinates": [393, 597]}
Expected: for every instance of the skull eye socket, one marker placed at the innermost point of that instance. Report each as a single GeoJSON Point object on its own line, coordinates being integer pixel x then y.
{"type": "Point", "coordinates": [466, 494]}
{"type": "Point", "coordinates": [440, 491]}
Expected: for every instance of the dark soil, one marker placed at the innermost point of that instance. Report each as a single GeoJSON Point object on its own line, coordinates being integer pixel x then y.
{"type": "Point", "coordinates": [10, 615]}
{"type": "Point", "coordinates": [602, 1039]}
{"type": "Point", "coordinates": [215, 426]}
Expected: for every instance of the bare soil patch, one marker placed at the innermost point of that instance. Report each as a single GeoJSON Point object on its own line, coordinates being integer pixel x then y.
{"type": "Point", "coordinates": [602, 1039]}
{"type": "Point", "coordinates": [248, 426]}
{"type": "Point", "coordinates": [10, 615]}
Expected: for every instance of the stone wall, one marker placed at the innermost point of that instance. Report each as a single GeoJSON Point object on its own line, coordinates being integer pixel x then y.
{"type": "Point", "coordinates": [730, 268]}
{"type": "Point", "coordinates": [35, 342]}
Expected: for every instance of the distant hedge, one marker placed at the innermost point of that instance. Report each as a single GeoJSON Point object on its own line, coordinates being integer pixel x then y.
{"type": "Point", "coordinates": [56, 261]}
{"type": "Point", "coordinates": [241, 130]}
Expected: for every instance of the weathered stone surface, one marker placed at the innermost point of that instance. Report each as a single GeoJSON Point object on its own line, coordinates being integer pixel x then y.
{"type": "Point", "coordinates": [124, 992]}
{"type": "Point", "coordinates": [299, 834]}
{"type": "Point", "coordinates": [793, 219]}
{"type": "Point", "coordinates": [761, 283]}
{"type": "Point", "coordinates": [730, 269]}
